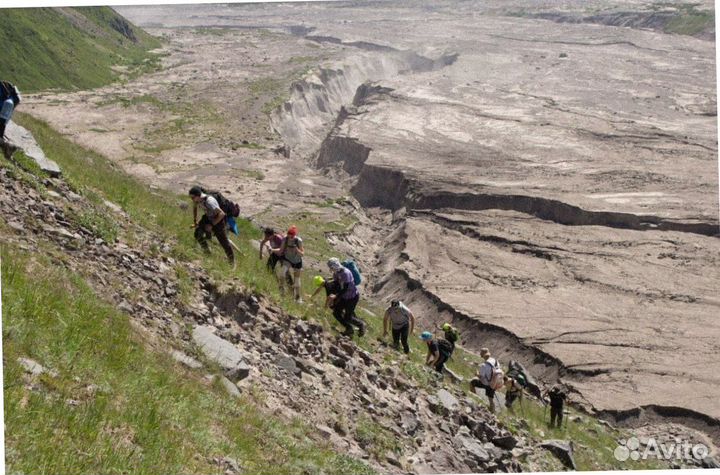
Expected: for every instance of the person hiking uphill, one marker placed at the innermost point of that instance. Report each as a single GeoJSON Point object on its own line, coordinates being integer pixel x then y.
{"type": "Point", "coordinates": [451, 334]}
{"type": "Point", "coordinates": [273, 241]}
{"type": "Point", "coordinates": [346, 299]}
{"type": "Point", "coordinates": [403, 324]}
{"type": "Point", "coordinates": [330, 290]}
{"type": "Point", "coordinates": [489, 377]}
{"type": "Point", "coordinates": [439, 350]}
{"type": "Point", "coordinates": [513, 391]}
{"type": "Point", "coordinates": [292, 252]}
{"type": "Point", "coordinates": [213, 220]}
{"type": "Point", "coordinates": [557, 400]}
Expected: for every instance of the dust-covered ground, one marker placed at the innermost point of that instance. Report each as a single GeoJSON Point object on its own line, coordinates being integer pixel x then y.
{"type": "Point", "coordinates": [550, 186]}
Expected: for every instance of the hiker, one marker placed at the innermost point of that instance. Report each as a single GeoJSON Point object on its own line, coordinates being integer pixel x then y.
{"type": "Point", "coordinates": [273, 241]}
{"type": "Point", "coordinates": [291, 253]}
{"type": "Point", "coordinates": [346, 298]}
{"type": "Point", "coordinates": [213, 220]}
{"type": "Point", "coordinates": [513, 391]}
{"type": "Point", "coordinates": [9, 98]}
{"type": "Point", "coordinates": [451, 334]}
{"type": "Point", "coordinates": [330, 290]}
{"type": "Point", "coordinates": [403, 324]}
{"type": "Point", "coordinates": [557, 399]}
{"type": "Point", "coordinates": [439, 350]}
{"type": "Point", "coordinates": [489, 377]}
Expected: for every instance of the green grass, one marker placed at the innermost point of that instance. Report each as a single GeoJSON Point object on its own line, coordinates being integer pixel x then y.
{"type": "Point", "coordinates": [133, 411]}
{"type": "Point", "coordinates": [690, 22]}
{"type": "Point", "coordinates": [44, 49]}
{"type": "Point", "coordinates": [374, 438]}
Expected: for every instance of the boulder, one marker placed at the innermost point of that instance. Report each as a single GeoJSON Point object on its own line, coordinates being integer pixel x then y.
{"type": "Point", "coordinates": [21, 138]}
{"type": "Point", "coordinates": [562, 450]}
{"type": "Point", "coordinates": [472, 449]}
{"type": "Point", "coordinates": [507, 442]}
{"type": "Point", "coordinates": [409, 423]}
{"type": "Point", "coordinates": [288, 364]}
{"type": "Point", "coordinates": [224, 353]}
{"type": "Point", "coordinates": [448, 401]}
{"type": "Point", "coordinates": [324, 431]}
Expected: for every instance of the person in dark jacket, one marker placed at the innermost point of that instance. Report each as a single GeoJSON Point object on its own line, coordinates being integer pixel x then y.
{"type": "Point", "coordinates": [213, 220]}
{"type": "Point", "coordinates": [557, 397]}
{"type": "Point", "coordinates": [346, 299]}
{"type": "Point", "coordinates": [439, 350]}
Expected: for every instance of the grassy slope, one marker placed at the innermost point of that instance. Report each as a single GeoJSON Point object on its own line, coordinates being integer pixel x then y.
{"type": "Point", "coordinates": [146, 413]}
{"type": "Point", "coordinates": [161, 212]}
{"type": "Point", "coordinates": [44, 49]}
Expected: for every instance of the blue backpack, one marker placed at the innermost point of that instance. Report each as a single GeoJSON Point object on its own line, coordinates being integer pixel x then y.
{"type": "Point", "coordinates": [353, 268]}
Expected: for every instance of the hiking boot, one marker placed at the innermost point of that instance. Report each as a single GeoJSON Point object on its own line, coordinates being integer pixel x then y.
{"type": "Point", "coordinates": [361, 330]}
{"type": "Point", "coordinates": [348, 332]}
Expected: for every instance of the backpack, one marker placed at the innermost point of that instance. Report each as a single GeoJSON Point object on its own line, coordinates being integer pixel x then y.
{"type": "Point", "coordinates": [228, 207]}
{"type": "Point", "coordinates": [496, 379]}
{"type": "Point", "coordinates": [515, 371]}
{"type": "Point", "coordinates": [452, 335]}
{"type": "Point", "coordinates": [518, 372]}
{"type": "Point", "coordinates": [8, 90]}
{"type": "Point", "coordinates": [354, 270]}
{"type": "Point", "coordinates": [445, 346]}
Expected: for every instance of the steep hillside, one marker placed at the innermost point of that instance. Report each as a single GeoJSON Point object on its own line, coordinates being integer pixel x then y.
{"type": "Point", "coordinates": [125, 349]}
{"type": "Point", "coordinates": [71, 48]}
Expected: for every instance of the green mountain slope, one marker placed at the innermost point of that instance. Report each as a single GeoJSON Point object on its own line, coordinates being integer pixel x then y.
{"type": "Point", "coordinates": [70, 48]}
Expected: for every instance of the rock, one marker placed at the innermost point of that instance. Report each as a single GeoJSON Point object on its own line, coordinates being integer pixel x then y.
{"type": "Point", "coordinates": [393, 460]}
{"type": "Point", "coordinates": [308, 366]}
{"type": "Point", "coordinates": [16, 226]}
{"type": "Point", "coordinates": [188, 361]}
{"type": "Point", "coordinates": [435, 406]}
{"type": "Point", "coordinates": [562, 450]}
{"type": "Point", "coordinates": [21, 138]}
{"type": "Point", "coordinates": [710, 462]}
{"type": "Point", "coordinates": [472, 449]}
{"type": "Point", "coordinates": [125, 307]}
{"type": "Point", "coordinates": [456, 378]}
{"type": "Point", "coordinates": [507, 442]}
{"type": "Point", "coordinates": [288, 364]}
{"type": "Point", "coordinates": [409, 423]}
{"type": "Point", "coordinates": [113, 207]}
{"type": "Point", "coordinates": [448, 401]}
{"type": "Point", "coordinates": [222, 352]}
{"type": "Point", "coordinates": [31, 366]}
{"type": "Point", "coordinates": [60, 232]}
{"type": "Point", "coordinates": [231, 389]}
{"type": "Point", "coordinates": [239, 372]}
{"type": "Point", "coordinates": [230, 465]}
{"type": "Point", "coordinates": [324, 431]}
